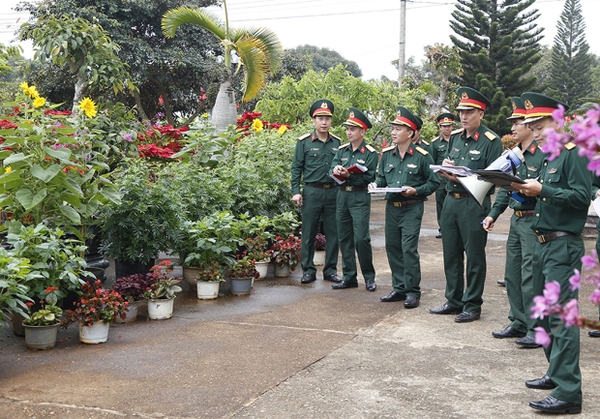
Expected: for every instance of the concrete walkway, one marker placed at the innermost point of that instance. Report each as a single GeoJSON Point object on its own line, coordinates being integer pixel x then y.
{"type": "Point", "coordinates": [297, 351]}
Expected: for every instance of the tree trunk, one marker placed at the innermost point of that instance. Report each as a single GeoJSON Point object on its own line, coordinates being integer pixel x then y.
{"type": "Point", "coordinates": [81, 88]}
{"type": "Point", "coordinates": [224, 113]}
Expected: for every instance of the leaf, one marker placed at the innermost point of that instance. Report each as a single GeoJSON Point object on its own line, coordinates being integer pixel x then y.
{"type": "Point", "coordinates": [45, 175]}
{"type": "Point", "coordinates": [70, 213]}
{"type": "Point", "coordinates": [28, 200]}
{"type": "Point", "coordinates": [15, 158]}
{"type": "Point", "coordinates": [60, 153]}
{"type": "Point", "coordinates": [111, 194]}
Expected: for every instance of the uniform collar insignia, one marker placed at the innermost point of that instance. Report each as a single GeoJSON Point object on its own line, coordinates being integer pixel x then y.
{"type": "Point", "coordinates": [476, 136]}
{"type": "Point", "coordinates": [532, 148]}
{"type": "Point", "coordinates": [362, 150]}
{"type": "Point", "coordinates": [410, 151]}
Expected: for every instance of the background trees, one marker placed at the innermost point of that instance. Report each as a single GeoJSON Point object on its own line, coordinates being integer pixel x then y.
{"type": "Point", "coordinates": [498, 43]}
{"type": "Point", "coordinates": [323, 59]}
{"type": "Point", "coordinates": [570, 72]}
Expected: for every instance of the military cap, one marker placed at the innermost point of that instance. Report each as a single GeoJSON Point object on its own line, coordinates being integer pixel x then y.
{"type": "Point", "coordinates": [518, 107]}
{"type": "Point", "coordinates": [445, 118]}
{"type": "Point", "coordinates": [357, 119]}
{"type": "Point", "coordinates": [321, 107]}
{"type": "Point", "coordinates": [539, 106]}
{"type": "Point", "coordinates": [406, 117]}
{"type": "Point", "coordinates": [471, 99]}
{"type": "Point", "coordinates": [419, 122]}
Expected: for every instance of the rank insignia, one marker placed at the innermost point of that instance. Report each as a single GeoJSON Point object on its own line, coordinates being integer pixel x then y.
{"type": "Point", "coordinates": [360, 161]}
{"type": "Point", "coordinates": [464, 95]}
{"type": "Point", "coordinates": [532, 148]}
{"type": "Point", "coordinates": [411, 166]}
{"type": "Point", "coordinates": [552, 170]}
{"type": "Point", "coordinates": [476, 136]}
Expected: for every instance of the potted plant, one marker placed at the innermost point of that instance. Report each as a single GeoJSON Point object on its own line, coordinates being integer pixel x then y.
{"type": "Point", "coordinates": [319, 256]}
{"type": "Point", "coordinates": [285, 253]}
{"type": "Point", "coordinates": [161, 294]}
{"type": "Point", "coordinates": [208, 279]}
{"type": "Point", "coordinates": [95, 310]}
{"type": "Point", "coordinates": [257, 248]}
{"type": "Point", "coordinates": [132, 289]}
{"type": "Point", "coordinates": [241, 275]}
{"type": "Point", "coordinates": [41, 326]}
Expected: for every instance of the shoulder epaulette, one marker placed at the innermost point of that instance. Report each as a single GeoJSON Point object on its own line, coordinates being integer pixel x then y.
{"type": "Point", "coordinates": [344, 146]}
{"type": "Point", "coordinates": [490, 135]}
{"type": "Point", "coordinates": [570, 145]}
{"type": "Point", "coordinates": [434, 140]}
{"type": "Point", "coordinates": [390, 148]}
{"type": "Point", "coordinates": [422, 150]}
{"type": "Point", "coordinates": [425, 142]}
{"type": "Point", "coordinates": [304, 136]}
{"type": "Point", "coordinates": [371, 149]}
{"type": "Point", "coordinates": [335, 136]}
{"type": "Point", "coordinates": [457, 131]}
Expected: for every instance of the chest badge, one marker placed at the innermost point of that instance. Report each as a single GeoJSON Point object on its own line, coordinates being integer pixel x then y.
{"type": "Point", "coordinates": [552, 170]}
{"type": "Point", "coordinates": [360, 161]}
{"type": "Point", "coordinates": [411, 166]}
{"type": "Point", "coordinates": [475, 152]}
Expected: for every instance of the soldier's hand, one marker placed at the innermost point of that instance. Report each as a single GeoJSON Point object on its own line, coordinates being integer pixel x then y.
{"type": "Point", "coordinates": [297, 199]}
{"type": "Point", "coordinates": [341, 171]}
{"type": "Point", "coordinates": [531, 187]}
{"type": "Point", "coordinates": [372, 185]}
{"type": "Point", "coordinates": [488, 224]}
{"type": "Point", "coordinates": [410, 191]}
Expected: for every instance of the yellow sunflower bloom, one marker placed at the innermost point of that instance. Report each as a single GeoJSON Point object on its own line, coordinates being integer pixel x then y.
{"type": "Point", "coordinates": [39, 102]}
{"type": "Point", "coordinates": [89, 107]}
{"type": "Point", "coordinates": [24, 86]}
{"type": "Point", "coordinates": [282, 129]}
{"type": "Point", "coordinates": [257, 125]}
{"type": "Point", "coordinates": [8, 169]}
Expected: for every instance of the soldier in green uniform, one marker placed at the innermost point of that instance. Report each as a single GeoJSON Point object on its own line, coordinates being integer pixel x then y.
{"type": "Point", "coordinates": [563, 194]}
{"type": "Point", "coordinates": [518, 275]}
{"type": "Point", "coordinates": [417, 140]}
{"type": "Point", "coordinates": [312, 159]}
{"type": "Point", "coordinates": [438, 149]}
{"type": "Point", "coordinates": [405, 165]}
{"type": "Point", "coordinates": [475, 147]}
{"type": "Point", "coordinates": [596, 194]}
{"type": "Point", "coordinates": [354, 202]}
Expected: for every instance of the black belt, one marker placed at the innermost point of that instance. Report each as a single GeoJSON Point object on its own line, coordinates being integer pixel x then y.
{"type": "Point", "coordinates": [352, 188]}
{"type": "Point", "coordinates": [404, 203]}
{"type": "Point", "coordinates": [524, 213]}
{"type": "Point", "coordinates": [328, 185]}
{"type": "Point", "coordinates": [459, 195]}
{"type": "Point", "coordinates": [545, 238]}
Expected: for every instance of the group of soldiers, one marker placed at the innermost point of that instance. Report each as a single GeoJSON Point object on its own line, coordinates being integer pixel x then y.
{"type": "Point", "coordinates": [544, 243]}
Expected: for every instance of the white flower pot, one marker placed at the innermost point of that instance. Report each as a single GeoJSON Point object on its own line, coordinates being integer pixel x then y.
{"type": "Point", "coordinates": [262, 266]}
{"type": "Point", "coordinates": [319, 258]}
{"type": "Point", "coordinates": [282, 271]}
{"type": "Point", "coordinates": [160, 309]}
{"type": "Point", "coordinates": [96, 333]}
{"type": "Point", "coordinates": [207, 290]}
{"type": "Point", "coordinates": [131, 315]}
{"type": "Point", "coordinates": [39, 338]}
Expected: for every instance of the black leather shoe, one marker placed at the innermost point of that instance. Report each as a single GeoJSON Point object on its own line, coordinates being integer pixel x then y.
{"type": "Point", "coordinates": [343, 285]}
{"type": "Point", "coordinates": [439, 235]}
{"type": "Point", "coordinates": [393, 296]}
{"type": "Point", "coordinates": [371, 286]}
{"type": "Point", "coordinates": [594, 333]}
{"type": "Point", "coordinates": [445, 309]}
{"type": "Point", "coordinates": [308, 278]}
{"type": "Point", "coordinates": [544, 383]}
{"type": "Point", "coordinates": [412, 301]}
{"type": "Point", "coordinates": [527, 342]}
{"type": "Point", "coordinates": [466, 317]}
{"type": "Point", "coordinates": [553, 405]}
{"type": "Point", "coordinates": [332, 278]}
{"type": "Point", "coordinates": [509, 332]}
{"type": "Point", "coordinates": [501, 282]}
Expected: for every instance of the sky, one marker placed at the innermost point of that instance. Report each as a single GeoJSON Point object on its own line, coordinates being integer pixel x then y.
{"type": "Point", "coordinates": [367, 32]}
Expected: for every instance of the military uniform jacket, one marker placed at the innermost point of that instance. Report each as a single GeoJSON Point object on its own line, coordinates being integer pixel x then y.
{"type": "Point", "coordinates": [312, 158]}
{"type": "Point", "coordinates": [529, 169]}
{"type": "Point", "coordinates": [412, 170]}
{"type": "Point", "coordinates": [565, 197]}
{"type": "Point", "coordinates": [475, 152]}
{"type": "Point", "coordinates": [365, 155]}
{"type": "Point", "coordinates": [438, 149]}
{"type": "Point", "coordinates": [423, 144]}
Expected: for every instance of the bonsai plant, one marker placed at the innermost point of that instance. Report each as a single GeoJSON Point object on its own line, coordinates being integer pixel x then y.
{"type": "Point", "coordinates": [241, 274]}
{"type": "Point", "coordinates": [161, 293]}
{"type": "Point", "coordinates": [95, 310]}
{"type": "Point", "coordinates": [41, 326]}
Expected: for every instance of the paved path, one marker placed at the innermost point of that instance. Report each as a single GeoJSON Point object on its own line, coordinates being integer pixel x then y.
{"type": "Point", "coordinates": [297, 351]}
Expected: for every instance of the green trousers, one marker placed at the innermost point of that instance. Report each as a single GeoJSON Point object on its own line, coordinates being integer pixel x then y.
{"type": "Point", "coordinates": [353, 214]}
{"type": "Point", "coordinates": [402, 228]}
{"type": "Point", "coordinates": [317, 204]}
{"type": "Point", "coordinates": [518, 274]}
{"type": "Point", "coordinates": [462, 234]}
{"type": "Point", "coordinates": [440, 196]}
{"type": "Point", "coordinates": [555, 261]}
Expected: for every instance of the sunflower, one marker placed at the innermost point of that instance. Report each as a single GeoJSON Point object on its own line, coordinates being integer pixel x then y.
{"type": "Point", "coordinates": [89, 107]}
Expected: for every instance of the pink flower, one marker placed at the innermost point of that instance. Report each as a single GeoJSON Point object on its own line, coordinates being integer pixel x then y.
{"type": "Point", "coordinates": [540, 307]}
{"type": "Point", "coordinates": [542, 337]}
{"type": "Point", "coordinates": [595, 296]}
{"type": "Point", "coordinates": [570, 313]}
{"type": "Point", "coordinates": [589, 261]}
{"type": "Point", "coordinates": [575, 280]}
{"type": "Point", "coordinates": [552, 292]}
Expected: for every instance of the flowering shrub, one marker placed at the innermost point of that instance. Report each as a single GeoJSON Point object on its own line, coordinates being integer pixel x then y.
{"type": "Point", "coordinates": [250, 122]}
{"type": "Point", "coordinates": [286, 250]}
{"type": "Point", "coordinates": [96, 304]}
{"type": "Point", "coordinates": [164, 286]}
{"type": "Point", "coordinates": [48, 314]}
{"type": "Point", "coordinates": [320, 241]}
{"type": "Point", "coordinates": [160, 141]}
{"type": "Point", "coordinates": [256, 248]}
{"type": "Point", "coordinates": [243, 267]}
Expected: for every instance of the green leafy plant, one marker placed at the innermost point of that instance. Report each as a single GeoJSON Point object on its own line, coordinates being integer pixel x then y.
{"type": "Point", "coordinates": [164, 286]}
{"type": "Point", "coordinates": [243, 267]}
{"type": "Point", "coordinates": [95, 304]}
{"type": "Point", "coordinates": [211, 271]}
{"type": "Point", "coordinates": [257, 248]}
{"type": "Point", "coordinates": [56, 259]}
{"type": "Point", "coordinates": [15, 273]}
{"type": "Point", "coordinates": [49, 313]}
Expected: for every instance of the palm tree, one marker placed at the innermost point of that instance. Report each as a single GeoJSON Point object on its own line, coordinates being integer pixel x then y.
{"type": "Point", "coordinates": [258, 49]}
